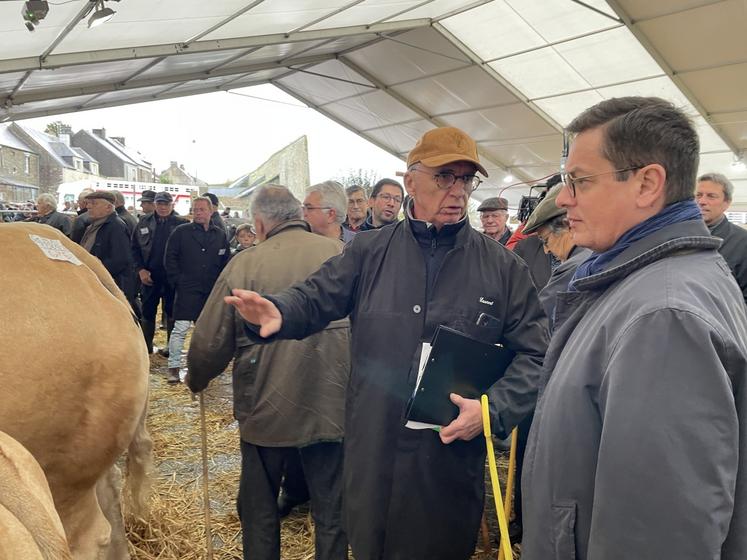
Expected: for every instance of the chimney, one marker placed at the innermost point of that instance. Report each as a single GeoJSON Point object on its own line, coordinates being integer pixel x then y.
{"type": "Point", "coordinates": [173, 164]}
{"type": "Point", "coordinates": [181, 167]}
{"type": "Point", "coordinates": [64, 138]}
{"type": "Point", "coordinates": [100, 132]}
{"type": "Point", "coordinates": [119, 139]}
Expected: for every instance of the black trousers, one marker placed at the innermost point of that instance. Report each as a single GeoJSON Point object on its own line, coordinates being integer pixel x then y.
{"type": "Point", "coordinates": [151, 295]}
{"type": "Point", "coordinates": [261, 470]}
{"type": "Point", "coordinates": [522, 437]}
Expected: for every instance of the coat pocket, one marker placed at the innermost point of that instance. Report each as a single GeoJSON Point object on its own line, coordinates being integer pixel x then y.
{"type": "Point", "coordinates": [564, 530]}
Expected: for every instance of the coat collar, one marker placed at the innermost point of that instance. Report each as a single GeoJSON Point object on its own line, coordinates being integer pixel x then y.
{"type": "Point", "coordinates": [683, 236]}
{"type": "Point", "coordinates": [421, 228]}
{"type": "Point", "coordinates": [290, 224]}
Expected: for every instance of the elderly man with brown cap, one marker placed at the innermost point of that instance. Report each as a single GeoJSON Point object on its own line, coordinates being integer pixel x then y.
{"type": "Point", "coordinates": [106, 236]}
{"type": "Point", "coordinates": [494, 215]}
{"type": "Point", "coordinates": [417, 494]}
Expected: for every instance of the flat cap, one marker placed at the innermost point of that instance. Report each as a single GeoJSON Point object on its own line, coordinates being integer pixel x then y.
{"type": "Point", "coordinates": [545, 211]}
{"type": "Point", "coordinates": [147, 196]}
{"type": "Point", "coordinates": [493, 203]}
{"type": "Point", "coordinates": [163, 197]}
{"type": "Point", "coordinates": [104, 195]}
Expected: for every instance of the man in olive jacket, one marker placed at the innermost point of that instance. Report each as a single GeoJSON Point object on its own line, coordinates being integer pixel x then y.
{"type": "Point", "coordinates": [418, 494]}
{"type": "Point", "coordinates": [638, 449]}
{"type": "Point", "coordinates": [288, 395]}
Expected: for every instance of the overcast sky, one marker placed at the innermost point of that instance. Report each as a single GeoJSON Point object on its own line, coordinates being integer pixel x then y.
{"type": "Point", "coordinates": [221, 136]}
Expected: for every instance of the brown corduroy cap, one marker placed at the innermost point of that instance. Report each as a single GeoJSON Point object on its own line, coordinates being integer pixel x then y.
{"type": "Point", "coordinates": [445, 145]}
{"type": "Point", "coordinates": [104, 195]}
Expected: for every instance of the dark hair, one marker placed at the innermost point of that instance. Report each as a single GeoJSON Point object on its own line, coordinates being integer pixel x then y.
{"type": "Point", "coordinates": [213, 198]}
{"type": "Point", "coordinates": [638, 131]}
{"type": "Point", "coordinates": [380, 185]}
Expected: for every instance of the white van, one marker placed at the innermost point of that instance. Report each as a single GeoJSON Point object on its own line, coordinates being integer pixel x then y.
{"type": "Point", "coordinates": [132, 191]}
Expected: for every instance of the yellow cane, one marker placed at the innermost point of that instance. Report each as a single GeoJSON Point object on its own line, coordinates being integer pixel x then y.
{"type": "Point", "coordinates": [510, 481]}
{"type": "Point", "coordinates": [499, 506]}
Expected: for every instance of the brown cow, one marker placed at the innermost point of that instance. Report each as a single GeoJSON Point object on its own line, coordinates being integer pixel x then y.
{"type": "Point", "coordinates": [74, 373]}
{"type": "Point", "coordinates": [29, 525]}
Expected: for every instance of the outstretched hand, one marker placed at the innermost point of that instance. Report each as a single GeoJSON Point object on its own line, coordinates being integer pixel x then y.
{"type": "Point", "coordinates": [257, 310]}
{"type": "Point", "coordinates": [468, 424]}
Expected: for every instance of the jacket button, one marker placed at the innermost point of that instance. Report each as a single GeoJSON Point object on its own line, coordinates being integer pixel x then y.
{"type": "Point", "coordinates": [416, 309]}
{"type": "Point", "coordinates": [203, 250]}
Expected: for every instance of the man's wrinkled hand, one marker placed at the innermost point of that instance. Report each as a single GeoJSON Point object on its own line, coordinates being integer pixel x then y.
{"type": "Point", "coordinates": [468, 424]}
{"type": "Point", "coordinates": [256, 310]}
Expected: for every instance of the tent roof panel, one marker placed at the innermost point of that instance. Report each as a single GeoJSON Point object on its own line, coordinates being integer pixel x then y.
{"type": "Point", "coordinates": [366, 12]}
{"type": "Point", "coordinates": [460, 90]}
{"type": "Point", "coordinates": [707, 86]}
{"type": "Point", "coordinates": [419, 53]}
{"type": "Point", "coordinates": [277, 16]}
{"type": "Point", "coordinates": [372, 110]}
{"type": "Point", "coordinates": [500, 123]}
{"type": "Point", "coordinates": [341, 82]}
{"type": "Point", "coordinates": [71, 76]}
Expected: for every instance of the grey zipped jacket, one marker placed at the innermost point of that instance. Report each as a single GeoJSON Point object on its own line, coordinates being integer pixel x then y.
{"type": "Point", "coordinates": [638, 448]}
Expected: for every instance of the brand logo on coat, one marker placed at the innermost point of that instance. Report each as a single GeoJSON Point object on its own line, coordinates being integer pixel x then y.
{"type": "Point", "coordinates": [486, 301]}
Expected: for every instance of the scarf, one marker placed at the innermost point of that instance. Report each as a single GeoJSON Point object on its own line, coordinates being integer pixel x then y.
{"type": "Point", "coordinates": [89, 237]}
{"type": "Point", "coordinates": [683, 211]}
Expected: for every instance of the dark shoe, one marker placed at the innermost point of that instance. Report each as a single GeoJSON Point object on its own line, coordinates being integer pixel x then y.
{"type": "Point", "coordinates": [148, 328]}
{"type": "Point", "coordinates": [173, 376]}
{"type": "Point", "coordinates": [287, 503]}
{"type": "Point", "coordinates": [164, 352]}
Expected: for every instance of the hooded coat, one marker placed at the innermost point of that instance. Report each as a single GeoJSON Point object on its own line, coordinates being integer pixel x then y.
{"type": "Point", "coordinates": [408, 496]}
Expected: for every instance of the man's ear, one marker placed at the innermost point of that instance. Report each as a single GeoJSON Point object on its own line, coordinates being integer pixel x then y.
{"type": "Point", "coordinates": [409, 184]}
{"type": "Point", "coordinates": [652, 188]}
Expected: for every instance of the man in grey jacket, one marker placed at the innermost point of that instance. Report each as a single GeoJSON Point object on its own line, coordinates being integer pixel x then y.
{"type": "Point", "coordinates": [639, 443]}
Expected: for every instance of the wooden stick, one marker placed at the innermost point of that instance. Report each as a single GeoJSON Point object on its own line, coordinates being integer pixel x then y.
{"type": "Point", "coordinates": [508, 501]}
{"type": "Point", "coordinates": [206, 494]}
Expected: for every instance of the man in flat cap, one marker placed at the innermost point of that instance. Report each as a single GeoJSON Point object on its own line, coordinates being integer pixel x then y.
{"type": "Point", "coordinates": [147, 202]}
{"type": "Point", "coordinates": [494, 215]}
{"type": "Point", "coordinates": [148, 250]}
{"type": "Point", "coordinates": [550, 224]}
{"type": "Point", "coordinates": [106, 236]}
{"type": "Point", "coordinates": [417, 494]}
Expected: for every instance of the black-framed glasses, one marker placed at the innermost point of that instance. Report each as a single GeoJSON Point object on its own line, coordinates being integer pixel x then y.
{"type": "Point", "coordinates": [445, 180]}
{"type": "Point", "coordinates": [573, 182]}
{"type": "Point", "coordinates": [312, 207]}
{"type": "Point", "coordinates": [386, 197]}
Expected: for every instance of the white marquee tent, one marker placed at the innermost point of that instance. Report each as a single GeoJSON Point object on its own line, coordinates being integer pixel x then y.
{"type": "Point", "coordinates": [511, 73]}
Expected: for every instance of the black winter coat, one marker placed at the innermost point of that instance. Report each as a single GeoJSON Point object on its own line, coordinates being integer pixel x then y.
{"type": "Point", "coordinates": [112, 247]}
{"type": "Point", "coordinates": [194, 259]}
{"type": "Point", "coordinates": [734, 250]}
{"type": "Point", "coordinates": [407, 495]}
{"type": "Point", "coordinates": [142, 237]}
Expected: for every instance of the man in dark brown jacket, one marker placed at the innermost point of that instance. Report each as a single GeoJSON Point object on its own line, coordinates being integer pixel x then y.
{"type": "Point", "coordinates": [289, 394]}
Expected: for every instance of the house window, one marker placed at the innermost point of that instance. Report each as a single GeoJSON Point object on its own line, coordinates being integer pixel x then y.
{"type": "Point", "coordinates": [27, 164]}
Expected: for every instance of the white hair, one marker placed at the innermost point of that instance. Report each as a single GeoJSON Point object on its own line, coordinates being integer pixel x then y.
{"type": "Point", "coordinates": [333, 196]}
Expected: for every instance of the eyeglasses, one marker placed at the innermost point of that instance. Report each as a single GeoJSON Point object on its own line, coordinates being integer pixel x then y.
{"type": "Point", "coordinates": [573, 182]}
{"type": "Point", "coordinates": [445, 180]}
{"type": "Point", "coordinates": [312, 207]}
{"type": "Point", "coordinates": [386, 197]}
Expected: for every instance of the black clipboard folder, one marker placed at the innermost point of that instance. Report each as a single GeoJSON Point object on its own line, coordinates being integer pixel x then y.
{"type": "Point", "coordinates": [457, 364]}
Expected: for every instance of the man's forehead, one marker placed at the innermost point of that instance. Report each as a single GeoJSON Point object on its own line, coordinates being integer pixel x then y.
{"type": "Point", "coordinates": [456, 166]}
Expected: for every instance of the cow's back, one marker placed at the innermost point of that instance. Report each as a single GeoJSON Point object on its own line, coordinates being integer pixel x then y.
{"type": "Point", "coordinates": [74, 367]}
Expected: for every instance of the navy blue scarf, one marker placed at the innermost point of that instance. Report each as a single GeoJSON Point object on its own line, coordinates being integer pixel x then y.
{"type": "Point", "coordinates": [684, 211]}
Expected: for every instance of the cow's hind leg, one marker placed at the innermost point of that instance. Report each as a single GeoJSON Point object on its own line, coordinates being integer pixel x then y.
{"type": "Point", "coordinates": [108, 492]}
{"type": "Point", "coordinates": [88, 532]}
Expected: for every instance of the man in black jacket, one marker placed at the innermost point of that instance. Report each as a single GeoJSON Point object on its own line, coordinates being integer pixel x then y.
{"type": "Point", "coordinates": [106, 236]}
{"type": "Point", "coordinates": [713, 194]}
{"type": "Point", "coordinates": [148, 249]}
{"type": "Point", "coordinates": [195, 256]}
{"type": "Point", "coordinates": [417, 494]}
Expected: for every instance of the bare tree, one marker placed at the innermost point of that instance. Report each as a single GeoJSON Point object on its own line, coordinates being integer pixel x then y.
{"type": "Point", "coordinates": [56, 127]}
{"type": "Point", "coordinates": [365, 178]}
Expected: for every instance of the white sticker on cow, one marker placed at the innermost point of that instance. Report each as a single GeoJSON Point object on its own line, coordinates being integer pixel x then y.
{"type": "Point", "coordinates": [54, 249]}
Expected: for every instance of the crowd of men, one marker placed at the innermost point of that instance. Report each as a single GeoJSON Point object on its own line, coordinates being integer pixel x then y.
{"type": "Point", "coordinates": [623, 297]}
